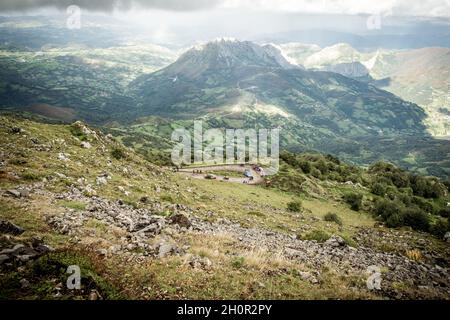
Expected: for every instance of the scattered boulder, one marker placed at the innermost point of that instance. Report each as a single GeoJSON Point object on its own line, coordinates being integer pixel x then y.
{"type": "Point", "coordinates": [166, 249]}
{"type": "Point", "coordinates": [447, 237]}
{"type": "Point", "coordinates": [197, 262]}
{"type": "Point", "coordinates": [24, 193]}
{"type": "Point", "coordinates": [86, 145]}
{"type": "Point", "coordinates": [308, 276]}
{"type": "Point", "coordinates": [16, 130]}
{"type": "Point", "coordinates": [102, 252]}
{"type": "Point", "coordinates": [63, 157]}
{"type": "Point", "coordinates": [180, 220]}
{"type": "Point", "coordinates": [335, 241]}
{"type": "Point", "coordinates": [13, 193]}
{"type": "Point", "coordinates": [4, 258]}
{"type": "Point", "coordinates": [24, 283]}
{"type": "Point", "coordinates": [101, 181]}
{"type": "Point", "coordinates": [144, 200]}
{"type": "Point", "coordinates": [10, 228]}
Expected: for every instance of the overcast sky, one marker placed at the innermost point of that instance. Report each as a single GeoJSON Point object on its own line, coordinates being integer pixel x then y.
{"type": "Point", "coordinates": [426, 8]}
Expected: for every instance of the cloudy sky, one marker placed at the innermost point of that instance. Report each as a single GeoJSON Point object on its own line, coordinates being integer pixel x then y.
{"type": "Point", "coordinates": [427, 8]}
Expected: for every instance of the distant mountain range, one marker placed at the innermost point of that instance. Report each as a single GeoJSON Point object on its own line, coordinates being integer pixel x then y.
{"type": "Point", "coordinates": [420, 76]}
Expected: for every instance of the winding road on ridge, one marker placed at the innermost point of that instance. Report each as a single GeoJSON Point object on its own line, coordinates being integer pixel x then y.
{"type": "Point", "coordinates": [205, 170]}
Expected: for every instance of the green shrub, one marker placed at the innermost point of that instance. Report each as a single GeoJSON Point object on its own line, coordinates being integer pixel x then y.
{"type": "Point", "coordinates": [378, 188]}
{"type": "Point", "coordinates": [31, 176]}
{"type": "Point", "coordinates": [385, 208]}
{"type": "Point", "coordinates": [167, 198]}
{"type": "Point", "coordinates": [427, 187]}
{"type": "Point", "coordinates": [238, 262]}
{"type": "Point", "coordinates": [118, 154]}
{"type": "Point", "coordinates": [395, 220]}
{"type": "Point", "coordinates": [316, 173]}
{"type": "Point", "coordinates": [305, 166]}
{"type": "Point", "coordinates": [77, 131]}
{"type": "Point", "coordinates": [295, 206]}
{"type": "Point", "coordinates": [333, 217]}
{"type": "Point", "coordinates": [405, 198]}
{"type": "Point", "coordinates": [416, 219]}
{"type": "Point", "coordinates": [423, 204]}
{"type": "Point", "coordinates": [445, 212]}
{"type": "Point", "coordinates": [354, 200]}
{"type": "Point", "coordinates": [321, 165]}
{"type": "Point", "coordinates": [440, 228]}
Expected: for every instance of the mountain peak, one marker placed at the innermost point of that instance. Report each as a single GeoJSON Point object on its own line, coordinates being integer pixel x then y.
{"type": "Point", "coordinates": [225, 53]}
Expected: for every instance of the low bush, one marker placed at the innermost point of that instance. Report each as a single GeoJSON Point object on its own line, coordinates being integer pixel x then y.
{"type": "Point", "coordinates": [440, 228]}
{"type": "Point", "coordinates": [295, 206]}
{"type": "Point", "coordinates": [333, 217]}
{"type": "Point", "coordinates": [354, 200]}
{"type": "Point", "coordinates": [118, 154]}
{"type": "Point", "coordinates": [416, 219]}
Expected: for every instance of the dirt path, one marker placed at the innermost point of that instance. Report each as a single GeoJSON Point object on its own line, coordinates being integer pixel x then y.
{"type": "Point", "coordinates": [258, 179]}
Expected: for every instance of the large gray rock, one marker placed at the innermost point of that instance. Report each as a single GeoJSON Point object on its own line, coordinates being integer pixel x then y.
{"type": "Point", "coordinates": [10, 228]}
{"type": "Point", "coordinates": [447, 237]}
{"type": "Point", "coordinates": [166, 249]}
{"type": "Point", "coordinates": [13, 193]}
{"type": "Point", "coordinates": [335, 241]}
{"type": "Point", "coordinates": [180, 220]}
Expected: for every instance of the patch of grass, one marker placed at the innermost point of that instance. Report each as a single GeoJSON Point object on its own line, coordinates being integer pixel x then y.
{"type": "Point", "coordinates": [56, 263]}
{"type": "Point", "coordinates": [238, 263]}
{"type": "Point", "coordinates": [76, 205]}
{"type": "Point", "coordinates": [414, 255]}
{"type": "Point", "coordinates": [18, 161]}
{"type": "Point", "coordinates": [317, 235]}
{"type": "Point", "coordinates": [167, 198]}
{"type": "Point", "coordinates": [31, 176]}
{"type": "Point", "coordinates": [49, 270]}
{"type": "Point", "coordinates": [256, 213]}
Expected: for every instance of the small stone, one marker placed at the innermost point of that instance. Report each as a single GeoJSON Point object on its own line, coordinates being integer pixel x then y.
{"type": "Point", "coordinates": [307, 276]}
{"type": "Point", "coordinates": [63, 157]}
{"type": "Point", "coordinates": [447, 237]}
{"type": "Point", "coordinates": [24, 193]}
{"type": "Point", "coordinates": [165, 249]}
{"type": "Point", "coordinates": [102, 252]}
{"type": "Point", "coordinates": [14, 193]}
{"type": "Point", "coordinates": [101, 181]}
{"type": "Point", "coordinates": [25, 257]}
{"type": "Point", "coordinates": [16, 130]}
{"type": "Point", "coordinates": [181, 220]}
{"type": "Point", "coordinates": [93, 296]}
{"type": "Point", "coordinates": [335, 241]}
{"type": "Point", "coordinates": [24, 283]}
{"type": "Point", "coordinates": [86, 145]}
{"type": "Point", "coordinates": [144, 200]}
{"type": "Point", "coordinates": [3, 258]}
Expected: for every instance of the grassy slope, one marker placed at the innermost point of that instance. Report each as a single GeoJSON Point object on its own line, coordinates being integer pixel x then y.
{"type": "Point", "coordinates": [236, 273]}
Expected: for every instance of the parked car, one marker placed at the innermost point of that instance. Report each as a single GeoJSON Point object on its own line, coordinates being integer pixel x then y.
{"type": "Point", "coordinates": [248, 174]}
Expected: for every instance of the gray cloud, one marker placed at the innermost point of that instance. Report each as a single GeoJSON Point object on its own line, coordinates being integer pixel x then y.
{"type": "Point", "coordinates": [430, 8]}
{"type": "Point", "coordinates": [108, 5]}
